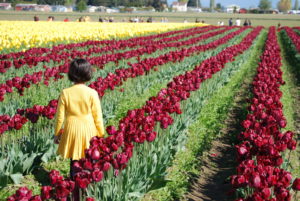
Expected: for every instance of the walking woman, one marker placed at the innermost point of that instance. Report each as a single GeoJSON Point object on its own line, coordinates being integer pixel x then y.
{"type": "Point", "coordinates": [79, 113]}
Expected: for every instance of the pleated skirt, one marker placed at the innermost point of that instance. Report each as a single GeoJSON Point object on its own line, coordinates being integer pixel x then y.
{"type": "Point", "coordinates": [78, 132]}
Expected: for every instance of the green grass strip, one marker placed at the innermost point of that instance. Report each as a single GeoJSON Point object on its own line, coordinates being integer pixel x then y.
{"type": "Point", "coordinates": [290, 100]}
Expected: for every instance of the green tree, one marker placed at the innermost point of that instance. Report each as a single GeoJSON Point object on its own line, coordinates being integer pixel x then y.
{"type": "Point", "coordinates": [264, 5]}
{"type": "Point", "coordinates": [284, 5]}
{"type": "Point", "coordinates": [68, 2]}
{"type": "Point", "coordinates": [81, 5]}
{"type": "Point", "coordinates": [14, 3]}
{"type": "Point", "coordinates": [157, 4]}
{"type": "Point", "coordinates": [194, 3]}
{"type": "Point", "coordinates": [51, 2]}
{"type": "Point", "coordinates": [296, 6]}
{"type": "Point", "coordinates": [212, 5]}
{"type": "Point", "coordinates": [234, 9]}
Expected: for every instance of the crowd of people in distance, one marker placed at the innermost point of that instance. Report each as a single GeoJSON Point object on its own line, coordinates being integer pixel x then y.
{"type": "Point", "coordinates": [247, 22]}
{"type": "Point", "coordinates": [49, 19]}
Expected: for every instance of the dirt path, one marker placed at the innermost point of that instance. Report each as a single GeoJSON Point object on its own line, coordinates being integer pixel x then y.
{"type": "Point", "coordinates": [293, 74]}
{"type": "Point", "coordinates": [219, 163]}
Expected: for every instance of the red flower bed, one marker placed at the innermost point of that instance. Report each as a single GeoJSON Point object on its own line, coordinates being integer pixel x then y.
{"type": "Point", "coordinates": [138, 126]}
{"type": "Point", "coordinates": [57, 72]}
{"type": "Point", "coordinates": [259, 153]}
{"type": "Point", "coordinates": [34, 56]}
{"type": "Point", "coordinates": [121, 75]}
{"type": "Point", "coordinates": [294, 37]}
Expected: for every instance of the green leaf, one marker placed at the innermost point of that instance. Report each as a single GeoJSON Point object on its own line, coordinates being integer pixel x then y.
{"type": "Point", "coordinates": [2, 164]}
{"type": "Point", "coordinates": [16, 178]}
{"type": "Point", "coordinates": [49, 153]}
{"type": "Point", "coordinates": [3, 179]}
{"type": "Point", "coordinates": [159, 182]}
{"type": "Point", "coordinates": [135, 195]}
{"type": "Point", "coordinates": [27, 164]}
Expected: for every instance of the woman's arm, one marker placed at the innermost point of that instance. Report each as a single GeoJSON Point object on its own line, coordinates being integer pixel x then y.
{"type": "Point", "coordinates": [97, 114]}
{"type": "Point", "coordinates": [60, 114]}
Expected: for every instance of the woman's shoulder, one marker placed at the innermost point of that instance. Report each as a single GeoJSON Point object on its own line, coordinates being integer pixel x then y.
{"type": "Point", "coordinates": [81, 88]}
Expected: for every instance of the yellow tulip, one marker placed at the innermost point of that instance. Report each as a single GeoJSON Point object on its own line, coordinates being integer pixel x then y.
{"type": "Point", "coordinates": [19, 34]}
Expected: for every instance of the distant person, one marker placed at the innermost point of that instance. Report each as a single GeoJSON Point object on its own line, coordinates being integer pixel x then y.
{"type": "Point", "coordinates": [221, 23]}
{"type": "Point", "coordinates": [149, 20]}
{"type": "Point", "coordinates": [218, 23]}
{"type": "Point", "coordinates": [185, 21]}
{"type": "Point", "coordinates": [197, 20]}
{"type": "Point", "coordinates": [230, 23]}
{"type": "Point", "coordinates": [279, 25]}
{"type": "Point", "coordinates": [50, 18]}
{"type": "Point", "coordinates": [111, 19]}
{"type": "Point", "coordinates": [100, 19]}
{"type": "Point", "coordinates": [203, 21]}
{"type": "Point", "coordinates": [66, 19]}
{"type": "Point", "coordinates": [164, 20]}
{"type": "Point", "coordinates": [36, 18]}
{"type": "Point", "coordinates": [238, 22]}
{"type": "Point", "coordinates": [246, 22]}
{"type": "Point", "coordinates": [249, 22]}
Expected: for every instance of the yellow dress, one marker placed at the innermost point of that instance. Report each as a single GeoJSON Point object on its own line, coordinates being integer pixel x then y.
{"type": "Point", "coordinates": [79, 109]}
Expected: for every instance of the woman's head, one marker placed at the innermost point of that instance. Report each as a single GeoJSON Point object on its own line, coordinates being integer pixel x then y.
{"type": "Point", "coordinates": [80, 71]}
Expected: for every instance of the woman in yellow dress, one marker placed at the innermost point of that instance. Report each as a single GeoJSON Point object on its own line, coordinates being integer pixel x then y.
{"type": "Point", "coordinates": [79, 113]}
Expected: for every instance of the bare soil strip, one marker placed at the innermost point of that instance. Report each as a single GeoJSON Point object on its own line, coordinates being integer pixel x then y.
{"type": "Point", "coordinates": [219, 163]}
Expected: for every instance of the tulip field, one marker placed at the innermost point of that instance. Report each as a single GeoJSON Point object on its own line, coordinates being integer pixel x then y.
{"type": "Point", "coordinates": [154, 81]}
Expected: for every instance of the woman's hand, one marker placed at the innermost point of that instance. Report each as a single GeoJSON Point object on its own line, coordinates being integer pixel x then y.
{"type": "Point", "coordinates": [56, 139]}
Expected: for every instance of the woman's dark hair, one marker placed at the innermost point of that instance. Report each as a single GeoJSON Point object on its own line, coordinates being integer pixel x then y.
{"type": "Point", "coordinates": [80, 71]}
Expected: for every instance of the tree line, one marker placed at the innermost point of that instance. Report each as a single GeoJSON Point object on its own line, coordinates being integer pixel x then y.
{"type": "Point", "coordinates": [283, 5]}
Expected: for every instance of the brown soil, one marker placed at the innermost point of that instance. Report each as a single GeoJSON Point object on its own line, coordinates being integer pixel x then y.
{"type": "Point", "coordinates": [219, 163]}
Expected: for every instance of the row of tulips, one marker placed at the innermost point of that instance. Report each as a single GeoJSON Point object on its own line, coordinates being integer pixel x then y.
{"type": "Point", "coordinates": [294, 37]}
{"type": "Point", "coordinates": [137, 127]}
{"type": "Point", "coordinates": [20, 36]}
{"type": "Point", "coordinates": [34, 56]}
{"type": "Point", "coordinates": [122, 43]}
{"type": "Point", "coordinates": [20, 83]}
{"type": "Point", "coordinates": [117, 79]}
{"type": "Point", "coordinates": [259, 153]}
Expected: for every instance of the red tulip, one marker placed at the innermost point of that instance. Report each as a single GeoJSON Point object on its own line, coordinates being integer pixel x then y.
{"type": "Point", "coordinates": [296, 184]}
{"type": "Point", "coordinates": [95, 154]}
{"type": "Point", "coordinates": [46, 192]}
{"type": "Point", "coordinates": [97, 175]}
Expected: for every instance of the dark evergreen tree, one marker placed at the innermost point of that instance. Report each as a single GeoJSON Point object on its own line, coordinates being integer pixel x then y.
{"type": "Point", "coordinates": [194, 3]}
{"type": "Point", "coordinates": [107, 3]}
{"type": "Point", "coordinates": [51, 2]}
{"type": "Point", "coordinates": [158, 5]}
